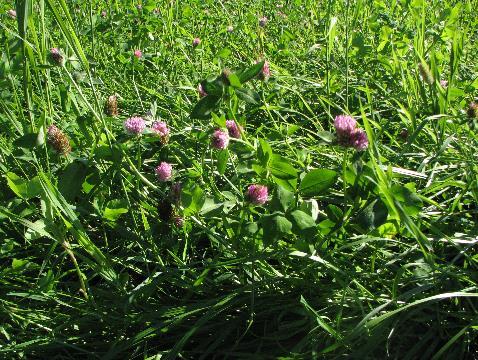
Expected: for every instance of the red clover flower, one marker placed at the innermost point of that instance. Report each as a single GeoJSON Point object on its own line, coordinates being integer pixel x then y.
{"type": "Point", "coordinates": [161, 128]}
{"type": "Point", "coordinates": [347, 133]}
{"type": "Point", "coordinates": [257, 194]}
{"type": "Point", "coordinates": [134, 125]}
{"type": "Point", "coordinates": [220, 139]}
{"type": "Point", "coordinates": [164, 171]}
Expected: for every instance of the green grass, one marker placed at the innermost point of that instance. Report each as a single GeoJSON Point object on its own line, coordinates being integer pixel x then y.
{"type": "Point", "coordinates": [356, 254]}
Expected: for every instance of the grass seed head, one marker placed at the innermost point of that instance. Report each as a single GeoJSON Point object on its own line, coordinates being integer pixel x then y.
{"type": "Point", "coordinates": [111, 107]}
{"type": "Point", "coordinates": [58, 140]}
{"type": "Point", "coordinates": [426, 74]}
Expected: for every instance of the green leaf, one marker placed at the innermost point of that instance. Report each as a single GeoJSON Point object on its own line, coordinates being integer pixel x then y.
{"type": "Point", "coordinates": [326, 136]}
{"type": "Point", "coordinates": [310, 207]}
{"type": "Point", "coordinates": [214, 87]}
{"type": "Point", "coordinates": [18, 263]}
{"type": "Point", "coordinates": [36, 232]}
{"type": "Point", "coordinates": [334, 213]}
{"type": "Point", "coordinates": [222, 157]}
{"type": "Point", "coordinates": [234, 81]}
{"type": "Point", "coordinates": [192, 197]}
{"type": "Point", "coordinates": [27, 141]}
{"type": "Point", "coordinates": [373, 215]}
{"type": "Point", "coordinates": [251, 72]}
{"type": "Point", "coordinates": [275, 226]}
{"type": "Point", "coordinates": [282, 199]}
{"type": "Point", "coordinates": [71, 180]}
{"type": "Point", "coordinates": [289, 184]}
{"type": "Point", "coordinates": [224, 53]}
{"type": "Point", "coordinates": [317, 181]}
{"type": "Point", "coordinates": [264, 152]}
{"type": "Point", "coordinates": [204, 107]}
{"type": "Point", "coordinates": [219, 121]}
{"type": "Point", "coordinates": [411, 202]}
{"type": "Point", "coordinates": [115, 208]}
{"type": "Point", "coordinates": [281, 168]}
{"type": "Point", "coordinates": [248, 95]}
{"type": "Point", "coordinates": [26, 189]}
{"type": "Point", "coordinates": [211, 208]}
{"type": "Point", "coordinates": [302, 223]}
{"type": "Point", "coordinates": [251, 228]}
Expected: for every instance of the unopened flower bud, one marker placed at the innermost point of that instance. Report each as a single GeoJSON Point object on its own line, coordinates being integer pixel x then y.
{"type": "Point", "coordinates": [56, 57]}
{"type": "Point", "coordinates": [473, 110]}
{"type": "Point", "coordinates": [263, 21]}
{"type": "Point", "coordinates": [233, 129]}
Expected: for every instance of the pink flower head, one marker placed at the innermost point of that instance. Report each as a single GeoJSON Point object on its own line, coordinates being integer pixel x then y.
{"type": "Point", "coordinates": [344, 125]}
{"type": "Point", "coordinates": [359, 140]}
{"type": "Point", "coordinates": [201, 91]}
{"type": "Point", "coordinates": [139, 7]}
{"type": "Point", "coordinates": [160, 128]}
{"type": "Point", "coordinates": [196, 42]}
{"type": "Point", "coordinates": [233, 129]}
{"type": "Point", "coordinates": [164, 171]}
{"type": "Point", "coordinates": [103, 13]}
{"type": "Point", "coordinates": [230, 29]}
{"type": "Point", "coordinates": [12, 13]}
{"type": "Point", "coordinates": [134, 125]}
{"type": "Point", "coordinates": [57, 57]}
{"type": "Point", "coordinates": [138, 54]}
{"type": "Point", "coordinates": [220, 139]}
{"type": "Point", "coordinates": [257, 194]}
{"type": "Point", "coordinates": [263, 21]}
{"type": "Point", "coordinates": [444, 84]}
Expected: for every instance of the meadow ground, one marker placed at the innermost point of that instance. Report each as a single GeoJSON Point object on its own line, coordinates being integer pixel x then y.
{"type": "Point", "coordinates": [238, 179]}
